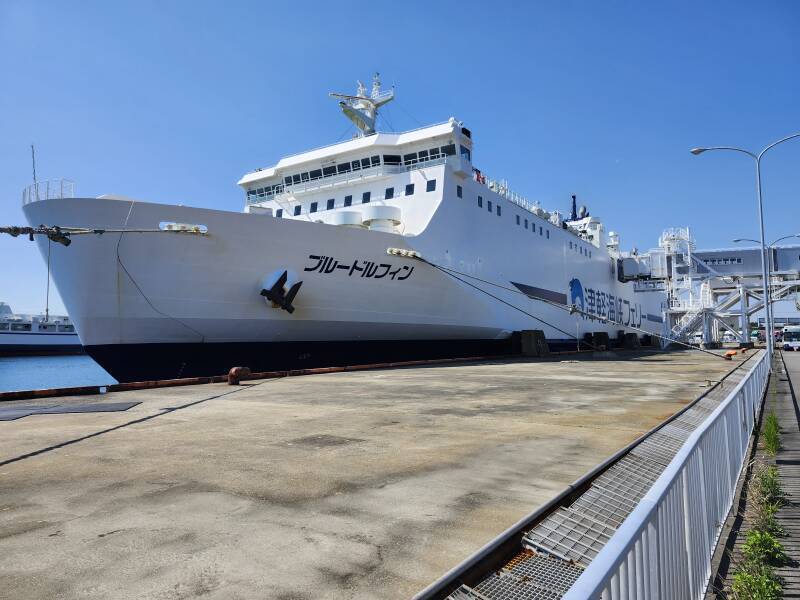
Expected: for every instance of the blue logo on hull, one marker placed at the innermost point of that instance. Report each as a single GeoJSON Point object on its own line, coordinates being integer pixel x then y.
{"type": "Point", "coordinates": [576, 294]}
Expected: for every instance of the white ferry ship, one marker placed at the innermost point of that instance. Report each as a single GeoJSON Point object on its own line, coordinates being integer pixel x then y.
{"type": "Point", "coordinates": [36, 334]}
{"type": "Point", "coordinates": [322, 265]}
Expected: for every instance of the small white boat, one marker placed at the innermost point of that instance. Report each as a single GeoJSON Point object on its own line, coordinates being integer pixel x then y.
{"type": "Point", "coordinates": [36, 334]}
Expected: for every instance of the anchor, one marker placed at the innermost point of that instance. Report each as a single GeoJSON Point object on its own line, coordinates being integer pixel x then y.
{"type": "Point", "coordinates": [279, 297]}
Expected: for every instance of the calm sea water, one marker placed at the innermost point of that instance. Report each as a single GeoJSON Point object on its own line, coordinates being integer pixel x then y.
{"type": "Point", "coordinates": [39, 372]}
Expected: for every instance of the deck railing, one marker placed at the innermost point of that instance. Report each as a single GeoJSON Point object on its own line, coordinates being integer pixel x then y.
{"type": "Point", "coordinates": [664, 548]}
{"type": "Point", "coordinates": [48, 190]}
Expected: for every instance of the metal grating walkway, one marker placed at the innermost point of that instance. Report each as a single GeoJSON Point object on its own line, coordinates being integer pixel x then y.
{"type": "Point", "coordinates": [557, 549]}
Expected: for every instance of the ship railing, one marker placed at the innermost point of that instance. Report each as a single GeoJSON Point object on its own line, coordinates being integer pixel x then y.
{"type": "Point", "coordinates": [349, 177]}
{"type": "Point", "coordinates": [502, 189]}
{"type": "Point", "coordinates": [51, 189]}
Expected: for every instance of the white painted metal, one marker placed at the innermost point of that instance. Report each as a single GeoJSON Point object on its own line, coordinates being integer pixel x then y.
{"type": "Point", "coordinates": [663, 549]}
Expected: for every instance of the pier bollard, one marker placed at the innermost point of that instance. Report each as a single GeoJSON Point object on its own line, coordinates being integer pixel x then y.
{"type": "Point", "coordinates": [236, 374]}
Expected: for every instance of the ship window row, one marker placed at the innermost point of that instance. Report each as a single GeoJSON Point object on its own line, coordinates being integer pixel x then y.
{"type": "Point", "coordinates": [350, 166]}
{"type": "Point", "coordinates": [366, 197]}
{"type": "Point", "coordinates": [495, 207]}
{"type": "Point", "coordinates": [580, 249]}
{"type": "Point", "coordinates": [722, 261]}
{"type": "Point", "coordinates": [490, 206]}
{"type": "Point", "coordinates": [42, 327]}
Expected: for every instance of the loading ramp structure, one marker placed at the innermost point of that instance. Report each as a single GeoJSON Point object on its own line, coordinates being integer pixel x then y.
{"type": "Point", "coordinates": [642, 525]}
{"type": "Point", "coordinates": [711, 292]}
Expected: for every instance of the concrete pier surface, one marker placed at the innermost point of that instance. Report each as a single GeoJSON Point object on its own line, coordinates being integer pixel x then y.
{"type": "Point", "coordinates": [365, 484]}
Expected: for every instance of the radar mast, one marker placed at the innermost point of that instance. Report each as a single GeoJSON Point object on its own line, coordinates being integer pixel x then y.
{"type": "Point", "coordinates": [361, 109]}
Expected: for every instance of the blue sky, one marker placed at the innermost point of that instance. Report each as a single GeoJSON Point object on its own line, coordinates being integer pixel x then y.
{"type": "Point", "coordinates": [173, 101]}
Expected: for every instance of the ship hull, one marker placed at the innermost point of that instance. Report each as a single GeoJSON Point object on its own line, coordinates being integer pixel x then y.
{"type": "Point", "coordinates": [166, 305]}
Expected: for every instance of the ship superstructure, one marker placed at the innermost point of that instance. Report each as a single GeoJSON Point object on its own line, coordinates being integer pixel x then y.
{"type": "Point", "coordinates": [322, 265]}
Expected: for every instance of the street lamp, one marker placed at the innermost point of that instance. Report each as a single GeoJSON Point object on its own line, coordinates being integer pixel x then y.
{"type": "Point", "coordinates": [770, 268]}
{"type": "Point", "coordinates": [764, 274]}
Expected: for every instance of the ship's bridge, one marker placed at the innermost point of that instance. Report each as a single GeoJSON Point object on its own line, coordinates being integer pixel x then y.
{"type": "Point", "coordinates": [347, 162]}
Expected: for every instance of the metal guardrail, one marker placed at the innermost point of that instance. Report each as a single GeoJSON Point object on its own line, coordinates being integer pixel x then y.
{"type": "Point", "coordinates": [48, 190]}
{"type": "Point", "coordinates": [663, 548]}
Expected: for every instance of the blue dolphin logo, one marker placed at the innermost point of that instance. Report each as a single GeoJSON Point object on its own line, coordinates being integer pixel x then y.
{"type": "Point", "coordinates": [576, 294]}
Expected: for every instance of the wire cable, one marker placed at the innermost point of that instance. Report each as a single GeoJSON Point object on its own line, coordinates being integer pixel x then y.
{"type": "Point", "coordinates": [523, 311]}
{"type": "Point", "coordinates": [572, 309]}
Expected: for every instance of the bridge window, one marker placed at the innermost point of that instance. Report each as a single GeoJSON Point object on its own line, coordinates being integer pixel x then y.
{"type": "Point", "coordinates": [279, 213]}
{"type": "Point", "coordinates": [449, 150]}
{"type": "Point", "coordinates": [430, 186]}
{"type": "Point", "coordinates": [304, 176]}
{"type": "Point", "coordinates": [410, 158]}
{"type": "Point", "coordinates": [409, 189]}
{"type": "Point", "coordinates": [343, 168]}
{"type": "Point", "coordinates": [365, 197]}
{"type": "Point", "coordinates": [466, 154]}
{"type": "Point", "coordinates": [365, 163]}
{"type": "Point", "coordinates": [315, 174]}
{"type": "Point", "coordinates": [287, 180]}
{"type": "Point", "coordinates": [391, 159]}
{"type": "Point", "coordinates": [331, 203]}
{"type": "Point", "coordinates": [389, 193]}
{"type": "Point", "coordinates": [356, 165]}
{"type": "Point", "coordinates": [297, 210]}
{"type": "Point", "coordinates": [423, 155]}
{"type": "Point", "coordinates": [328, 171]}
{"type": "Point", "coordinates": [348, 200]}
{"type": "Point", "coordinates": [313, 207]}
{"type": "Point", "coordinates": [376, 160]}
{"type": "Point", "coordinates": [296, 179]}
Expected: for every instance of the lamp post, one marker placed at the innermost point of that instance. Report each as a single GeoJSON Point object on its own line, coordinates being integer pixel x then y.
{"type": "Point", "coordinates": [764, 274]}
{"type": "Point", "coordinates": [769, 321]}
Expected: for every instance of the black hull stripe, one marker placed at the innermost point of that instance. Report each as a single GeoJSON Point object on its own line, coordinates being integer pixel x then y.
{"type": "Point", "coordinates": [147, 362]}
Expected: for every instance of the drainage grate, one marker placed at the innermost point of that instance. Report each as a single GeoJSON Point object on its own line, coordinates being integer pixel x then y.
{"type": "Point", "coordinates": [503, 585]}
{"type": "Point", "coordinates": [569, 535]}
{"type": "Point", "coordinates": [466, 593]}
{"type": "Point", "coordinates": [549, 573]}
{"type": "Point", "coordinates": [598, 505]}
